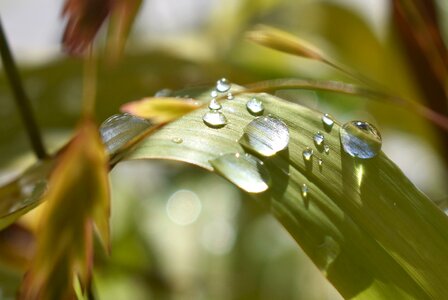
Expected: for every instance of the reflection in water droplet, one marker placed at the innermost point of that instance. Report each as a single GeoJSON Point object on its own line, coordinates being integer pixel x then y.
{"type": "Point", "coordinates": [214, 94]}
{"type": "Point", "coordinates": [120, 129]}
{"type": "Point", "coordinates": [327, 149]}
{"type": "Point", "coordinates": [183, 207]}
{"type": "Point", "coordinates": [255, 106]}
{"type": "Point", "coordinates": [222, 85]}
{"type": "Point", "coordinates": [308, 153]}
{"type": "Point", "coordinates": [163, 93]}
{"type": "Point", "coordinates": [229, 96]}
{"type": "Point", "coordinates": [304, 190]}
{"type": "Point", "coordinates": [214, 105]}
{"type": "Point", "coordinates": [214, 119]}
{"type": "Point", "coordinates": [318, 138]}
{"type": "Point", "coordinates": [360, 139]}
{"type": "Point", "coordinates": [328, 121]}
{"type": "Point", "coordinates": [246, 171]}
{"type": "Point", "coordinates": [265, 135]}
{"type": "Point", "coordinates": [177, 140]}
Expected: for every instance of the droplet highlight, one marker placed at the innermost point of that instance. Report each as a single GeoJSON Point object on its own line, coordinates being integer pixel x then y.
{"type": "Point", "coordinates": [318, 138]}
{"type": "Point", "coordinates": [214, 104]}
{"type": "Point", "coordinates": [244, 170]}
{"type": "Point", "coordinates": [214, 94]}
{"type": "Point", "coordinates": [230, 96]}
{"type": "Point", "coordinates": [328, 121]}
{"type": "Point", "coordinates": [360, 139]}
{"type": "Point", "coordinates": [265, 135]}
{"type": "Point", "coordinates": [326, 149]}
{"type": "Point", "coordinates": [177, 140]}
{"type": "Point", "coordinates": [307, 153]}
{"type": "Point", "coordinates": [255, 106]}
{"type": "Point", "coordinates": [222, 85]}
{"type": "Point", "coordinates": [214, 119]}
{"type": "Point", "coordinates": [304, 189]}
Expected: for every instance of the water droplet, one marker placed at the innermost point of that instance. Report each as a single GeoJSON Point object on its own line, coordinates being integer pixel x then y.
{"type": "Point", "coordinates": [265, 135]}
{"type": "Point", "coordinates": [360, 139]}
{"type": "Point", "coordinates": [120, 129]}
{"type": "Point", "coordinates": [255, 106]}
{"type": "Point", "coordinates": [320, 162]}
{"type": "Point", "coordinates": [308, 153]}
{"type": "Point", "coordinates": [214, 119]}
{"type": "Point", "coordinates": [318, 138]}
{"type": "Point", "coordinates": [229, 96]}
{"type": "Point", "coordinates": [222, 85]}
{"type": "Point", "coordinates": [214, 94]}
{"type": "Point", "coordinates": [327, 149]}
{"type": "Point", "coordinates": [163, 93]}
{"type": "Point", "coordinates": [328, 121]}
{"type": "Point", "coordinates": [214, 105]}
{"type": "Point", "coordinates": [177, 140]}
{"type": "Point", "coordinates": [304, 190]}
{"type": "Point", "coordinates": [329, 251]}
{"type": "Point", "coordinates": [246, 171]}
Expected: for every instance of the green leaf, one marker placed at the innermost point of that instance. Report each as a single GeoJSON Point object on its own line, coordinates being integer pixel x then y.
{"type": "Point", "coordinates": [363, 223]}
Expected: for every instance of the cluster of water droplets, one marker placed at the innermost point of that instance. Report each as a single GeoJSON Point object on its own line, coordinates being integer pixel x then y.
{"type": "Point", "coordinates": [214, 117]}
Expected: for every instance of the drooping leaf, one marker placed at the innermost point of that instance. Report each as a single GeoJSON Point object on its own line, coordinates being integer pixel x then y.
{"type": "Point", "coordinates": [362, 222]}
{"type": "Point", "coordinates": [77, 198]}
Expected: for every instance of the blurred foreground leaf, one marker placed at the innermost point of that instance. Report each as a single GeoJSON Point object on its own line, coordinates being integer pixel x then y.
{"type": "Point", "coordinates": [77, 198]}
{"type": "Point", "coordinates": [363, 223]}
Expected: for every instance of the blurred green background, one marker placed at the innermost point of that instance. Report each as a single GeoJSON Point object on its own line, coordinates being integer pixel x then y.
{"type": "Point", "coordinates": [179, 232]}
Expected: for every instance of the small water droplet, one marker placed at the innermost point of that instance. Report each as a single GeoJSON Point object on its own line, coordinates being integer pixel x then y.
{"type": "Point", "coordinates": [320, 162]}
{"type": "Point", "coordinates": [163, 93]}
{"type": "Point", "coordinates": [177, 140]}
{"type": "Point", "coordinates": [120, 129]}
{"type": "Point", "coordinates": [327, 149]}
{"type": "Point", "coordinates": [244, 170]}
{"type": "Point", "coordinates": [214, 105]}
{"type": "Point", "coordinates": [222, 85]}
{"type": "Point", "coordinates": [214, 94]}
{"type": "Point", "coordinates": [318, 138]}
{"type": "Point", "coordinates": [304, 190]}
{"type": "Point", "coordinates": [360, 139]}
{"type": "Point", "coordinates": [265, 135]}
{"type": "Point", "coordinates": [229, 96]}
{"type": "Point", "coordinates": [214, 119]}
{"type": "Point", "coordinates": [255, 106]}
{"type": "Point", "coordinates": [308, 153]}
{"type": "Point", "coordinates": [328, 121]}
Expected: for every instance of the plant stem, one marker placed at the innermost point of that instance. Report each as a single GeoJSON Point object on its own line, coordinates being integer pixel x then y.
{"type": "Point", "coordinates": [21, 99]}
{"type": "Point", "coordinates": [89, 84]}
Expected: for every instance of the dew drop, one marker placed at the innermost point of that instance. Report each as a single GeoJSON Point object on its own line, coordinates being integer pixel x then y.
{"type": "Point", "coordinates": [214, 119]}
{"type": "Point", "coordinates": [177, 140]}
{"type": "Point", "coordinates": [230, 96]}
{"type": "Point", "coordinates": [214, 105]}
{"type": "Point", "coordinates": [328, 121]}
{"type": "Point", "coordinates": [327, 149]}
{"type": "Point", "coordinates": [163, 93]}
{"type": "Point", "coordinates": [308, 153]}
{"type": "Point", "coordinates": [120, 129]}
{"type": "Point", "coordinates": [244, 170]}
{"type": "Point", "coordinates": [214, 94]}
{"type": "Point", "coordinates": [320, 162]}
{"type": "Point", "coordinates": [318, 138]}
{"type": "Point", "coordinates": [265, 135]}
{"type": "Point", "coordinates": [222, 85]}
{"type": "Point", "coordinates": [255, 106]}
{"type": "Point", "coordinates": [360, 139]}
{"type": "Point", "coordinates": [304, 190]}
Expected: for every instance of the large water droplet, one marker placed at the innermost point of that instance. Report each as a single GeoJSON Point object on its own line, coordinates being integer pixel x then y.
{"type": "Point", "coordinates": [244, 170]}
{"type": "Point", "coordinates": [328, 121]}
{"type": "Point", "coordinates": [307, 153]}
{"type": "Point", "coordinates": [214, 104]}
{"type": "Point", "coordinates": [265, 135]}
{"type": "Point", "coordinates": [120, 129]}
{"type": "Point", "coordinates": [255, 106]}
{"type": "Point", "coordinates": [304, 189]}
{"type": "Point", "coordinates": [214, 119]}
{"type": "Point", "coordinates": [360, 139]}
{"type": "Point", "coordinates": [318, 138]}
{"type": "Point", "coordinates": [222, 85]}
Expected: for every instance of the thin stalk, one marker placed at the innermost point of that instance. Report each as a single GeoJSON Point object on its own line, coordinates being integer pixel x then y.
{"type": "Point", "coordinates": [89, 84]}
{"type": "Point", "coordinates": [20, 97]}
